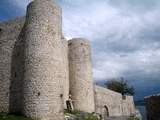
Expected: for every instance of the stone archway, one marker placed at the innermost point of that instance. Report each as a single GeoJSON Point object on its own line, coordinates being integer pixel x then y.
{"type": "Point", "coordinates": [105, 112]}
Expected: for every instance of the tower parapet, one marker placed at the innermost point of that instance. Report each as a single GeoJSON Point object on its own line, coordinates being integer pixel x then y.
{"type": "Point", "coordinates": [43, 98]}
{"type": "Point", "coordinates": [80, 75]}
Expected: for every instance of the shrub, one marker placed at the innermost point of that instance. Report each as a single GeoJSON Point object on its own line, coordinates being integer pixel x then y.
{"type": "Point", "coordinates": [133, 118]}
{"type": "Point", "coordinates": [4, 116]}
{"type": "Point", "coordinates": [90, 117]}
{"type": "Point", "coordinates": [81, 115]}
{"type": "Point", "coordinates": [120, 86]}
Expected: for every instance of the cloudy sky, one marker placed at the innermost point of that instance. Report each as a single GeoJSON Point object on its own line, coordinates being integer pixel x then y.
{"type": "Point", "coordinates": [125, 36]}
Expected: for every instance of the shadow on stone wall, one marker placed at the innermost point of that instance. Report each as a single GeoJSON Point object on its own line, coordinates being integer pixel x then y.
{"type": "Point", "coordinates": [17, 76]}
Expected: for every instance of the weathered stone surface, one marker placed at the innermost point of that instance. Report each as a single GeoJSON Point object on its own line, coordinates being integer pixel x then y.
{"type": "Point", "coordinates": [153, 107]}
{"type": "Point", "coordinates": [36, 63]}
{"type": "Point", "coordinates": [9, 32]}
{"type": "Point", "coordinates": [128, 107]}
{"type": "Point", "coordinates": [65, 83]}
{"type": "Point", "coordinates": [43, 97]}
{"type": "Point", "coordinates": [110, 103]}
{"type": "Point", "coordinates": [80, 75]}
{"type": "Point", "coordinates": [110, 99]}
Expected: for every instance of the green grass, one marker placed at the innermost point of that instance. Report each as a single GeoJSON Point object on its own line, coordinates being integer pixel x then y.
{"type": "Point", "coordinates": [75, 112]}
{"type": "Point", "coordinates": [81, 115]}
{"type": "Point", "coordinates": [90, 117]}
{"type": "Point", "coordinates": [133, 118]}
{"type": "Point", "coordinates": [4, 116]}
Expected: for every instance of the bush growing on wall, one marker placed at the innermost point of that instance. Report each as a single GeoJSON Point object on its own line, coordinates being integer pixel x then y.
{"type": "Point", "coordinates": [120, 86]}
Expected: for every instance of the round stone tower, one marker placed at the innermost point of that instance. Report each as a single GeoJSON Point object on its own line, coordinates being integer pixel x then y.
{"type": "Point", "coordinates": [43, 97]}
{"type": "Point", "coordinates": [80, 75]}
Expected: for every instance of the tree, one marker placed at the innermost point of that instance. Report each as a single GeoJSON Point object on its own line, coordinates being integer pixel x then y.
{"type": "Point", "coordinates": [120, 86]}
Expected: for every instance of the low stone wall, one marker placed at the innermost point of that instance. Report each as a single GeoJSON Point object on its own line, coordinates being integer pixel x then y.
{"type": "Point", "coordinates": [110, 103]}
{"type": "Point", "coordinates": [128, 107]}
{"type": "Point", "coordinates": [107, 102]}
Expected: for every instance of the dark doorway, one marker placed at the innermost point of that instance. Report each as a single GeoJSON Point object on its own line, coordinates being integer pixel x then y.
{"type": "Point", "coordinates": [106, 111]}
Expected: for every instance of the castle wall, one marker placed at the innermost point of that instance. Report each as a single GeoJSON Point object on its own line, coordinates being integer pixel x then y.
{"type": "Point", "coordinates": [11, 66]}
{"type": "Point", "coordinates": [80, 75]}
{"type": "Point", "coordinates": [9, 32]}
{"type": "Point", "coordinates": [43, 97]}
{"type": "Point", "coordinates": [110, 99]}
{"type": "Point", "coordinates": [112, 103]}
{"type": "Point", "coordinates": [65, 83]}
{"type": "Point", "coordinates": [153, 107]}
{"type": "Point", "coordinates": [128, 107]}
{"type": "Point", "coordinates": [38, 68]}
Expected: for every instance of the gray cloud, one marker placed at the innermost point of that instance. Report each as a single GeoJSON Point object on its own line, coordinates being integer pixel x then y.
{"type": "Point", "coordinates": [135, 6]}
{"type": "Point", "coordinates": [124, 34]}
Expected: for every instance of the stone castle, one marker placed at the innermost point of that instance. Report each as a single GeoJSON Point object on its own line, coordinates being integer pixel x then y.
{"type": "Point", "coordinates": [39, 69]}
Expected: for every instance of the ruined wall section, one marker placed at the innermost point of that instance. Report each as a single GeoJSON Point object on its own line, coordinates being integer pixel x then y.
{"type": "Point", "coordinates": [80, 75]}
{"type": "Point", "coordinates": [65, 83]}
{"type": "Point", "coordinates": [153, 107]}
{"type": "Point", "coordinates": [43, 97]}
{"type": "Point", "coordinates": [9, 32]}
{"type": "Point", "coordinates": [110, 99]}
{"type": "Point", "coordinates": [128, 107]}
{"type": "Point", "coordinates": [117, 105]}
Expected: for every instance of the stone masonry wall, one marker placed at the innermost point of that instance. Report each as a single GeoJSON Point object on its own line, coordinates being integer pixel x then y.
{"type": "Point", "coordinates": [111, 103]}
{"type": "Point", "coordinates": [9, 32]}
{"type": "Point", "coordinates": [65, 83]}
{"type": "Point", "coordinates": [42, 95]}
{"type": "Point", "coordinates": [153, 107]}
{"type": "Point", "coordinates": [110, 99]}
{"type": "Point", "coordinates": [10, 66]}
{"type": "Point", "coordinates": [128, 107]}
{"type": "Point", "coordinates": [80, 75]}
{"type": "Point", "coordinates": [11, 77]}
{"type": "Point", "coordinates": [39, 69]}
